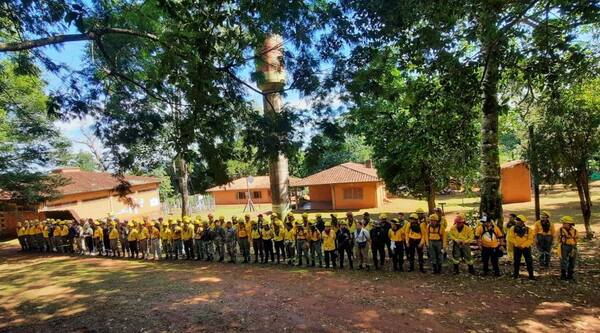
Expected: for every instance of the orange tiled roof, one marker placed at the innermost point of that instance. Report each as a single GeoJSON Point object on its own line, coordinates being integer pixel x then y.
{"type": "Point", "coordinates": [344, 173]}
{"type": "Point", "coordinates": [88, 181]}
{"type": "Point", "coordinates": [259, 182]}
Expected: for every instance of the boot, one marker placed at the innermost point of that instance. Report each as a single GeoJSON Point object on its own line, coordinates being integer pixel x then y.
{"type": "Point", "coordinates": [456, 268]}
{"type": "Point", "coordinates": [439, 269]}
{"type": "Point", "coordinates": [563, 274]}
{"type": "Point", "coordinates": [411, 266]}
{"type": "Point", "coordinates": [312, 264]}
{"type": "Point", "coordinates": [421, 269]}
{"type": "Point", "coordinates": [570, 274]}
{"type": "Point", "coordinates": [471, 270]}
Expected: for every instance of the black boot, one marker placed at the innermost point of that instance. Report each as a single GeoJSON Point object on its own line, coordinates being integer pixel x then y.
{"type": "Point", "coordinates": [570, 274]}
{"type": "Point", "coordinates": [421, 269]}
{"type": "Point", "coordinates": [456, 268]}
{"type": "Point", "coordinates": [439, 271]}
{"type": "Point", "coordinates": [563, 274]}
{"type": "Point", "coordinates": [471, 270]}
{"type": "Point", "coordinates": [411, 266]}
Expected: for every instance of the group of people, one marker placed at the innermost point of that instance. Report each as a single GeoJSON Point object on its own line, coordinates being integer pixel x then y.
{"type": "Point", "coordinates": [315, 242]}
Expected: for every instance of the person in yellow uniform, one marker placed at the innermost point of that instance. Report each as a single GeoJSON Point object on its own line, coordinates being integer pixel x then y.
{"type": "Point", "coordinates": [113, 237]}
{"type": "Point", "coordinates": [522, 238]}
{"type": "Point", "coordinates": [544, 237]}
{"type": "Point", "coordinates": [187, 236]}
{"type": "Point", "coordinates": [301, 238]}
{"type": "Point", "coordinates": [21, 236]}
{"type": "Point", "coordinates": [257, 243]}
{"type": "Point", "coordinates": [488, 237]}
{"type": "Point", "coordinates": [166, 237]}
{"type": "Point", "coordinates": [289, 235]}
{"type": "Point", "coordinates": [509, 245]}
{"type": "Point", "coordinates": [396, 235]}
{"type": "Point", "coordinates": [415, 241]}
{"type": "Point", "coordinates": [198, 230]}
{"type": "Point", "coordinates": [315, 244]}
{"type": "Point", "coordinates": [567, 242]}
{"type": "Point", "coordinates": [64, 237]}
{"type": "Point", "coordinates": [155, 244]}
{"type": "Point", "coordinates": [243, 240]}
{"type": "Point", "coordinates": [143, 239]}
{"type": "Point", "coordinates": [98, 239]}
{"type": "Point", "coordinates": [46, 235]}
{"type": "Point", "coordinates": [133, 238]}
{"type": "Point", "coordinates": [38, 236]}
{"type": "Point", "coordinates": [267, 237]}
{"type": "Point", "coordinates": [278, 234]}
{"type": "Point", "coordinates": [329, 246]}
{"type": "Point", "coordinates": [461, 236]}
{"type": "Point", "coordinates": [435, 240]}
{"type": "Point", "coordinates": [367, 225]}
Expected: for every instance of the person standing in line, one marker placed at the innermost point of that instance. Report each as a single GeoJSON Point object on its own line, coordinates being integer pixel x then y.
{"type": "Point", "coordinates": [396, 235]}
{"type": "Point", "coordinates": [315, 245]}
{"type": "Point", "coordinates": [344, 241]}
{"type": "Point", "coordinates": [567, 242]}
{"type": "Point", "coordinates": [198, 230]}
{"type": "Point", "coordinates": [329, 246]}
{"type": "Point", "coordinates": [243, 241]}
{"type": "Point", "coordinates": [301, 243]}
{"type": "Point", "coordinates": [155, 244]}
{"type": "Point", "coordinates": [377, 244]}
{"type": "Point", "coordinates": [257, 243]}
{"type": "Point", "coordinates": [113, 238]}
{"type": "Point", "coordinates": [461, 236]}
{"type": "Point", "coordinates": [435, 240]}
{"type": "Point", "coordinates": [545, 233]}
{"type": "Point", "coordinates": [278, 239]}
{"type": "Point", "coordinates": [230, 241]}
{"type": "Point", "coordinates": [267, 237]}
{"type": "Point", "coordinates": [166, 238]}
{"type": "Point", "coordinates": [415, 241]}
{"type": "Point", "coordinates": [522, 238]}
{"type": "Point", "coordinates": [362, 239]}
{"type": "Point", "coordinates": [488, 236]}
{"type": "Point", "coordinates": [289, 235]}
{"type": "Point", "coordinates": [132, 238]}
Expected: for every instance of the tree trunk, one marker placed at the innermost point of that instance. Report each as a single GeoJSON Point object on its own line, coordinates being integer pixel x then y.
{"type": "Point", "coordinates": [430, 194]}
{"type": "Point", "coordinates": [491, 201]}
{"type": "Point", "coordinates": [534, 173]}
{"type": "Point", "coordinates": [182, 173]}
{"type": "Point", "coordinates": [581, 181]}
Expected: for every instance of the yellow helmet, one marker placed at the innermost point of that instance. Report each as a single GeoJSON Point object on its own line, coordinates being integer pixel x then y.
{"type": "Point", "coordinates": [545, 214]}
{"type": "Point", "coordinates": [420, 211]}
{"type": "Point", "coordinates": [328, 224]}
{"type": "Point", "coordinates": [305, 215]}
{"type": "Point", "coordinates": [434, 217]}
{"type": "Point", "coordinates": [383, 216]}
{"type": "Point", "coordinates": [413, 216]}
{"type": "Point", "coordinates": [522, 218]}
{"type": "Point", "coordinates": [567, 219]}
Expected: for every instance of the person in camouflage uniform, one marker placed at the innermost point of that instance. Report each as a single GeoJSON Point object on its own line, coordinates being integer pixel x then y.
{"type": "Point", "coordinates": [230, 241]}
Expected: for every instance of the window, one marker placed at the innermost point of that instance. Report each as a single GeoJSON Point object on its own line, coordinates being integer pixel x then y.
{"type": "Point", "coordinates": [241, 195]}
{"type": "Point", "coordinates": [256, 195]}
{"type": "Point", "coordinates": [353, 193]}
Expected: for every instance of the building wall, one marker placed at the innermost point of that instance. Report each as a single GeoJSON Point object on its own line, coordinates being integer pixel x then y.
{"type": "Point", "coordinates": [515, 184]}
{"type": "Point", "coordinates": [230, 197]}
{"type": "Point", "coordinates": [10, 215]}
{"type": "Point", "coordinates": [370, 196]}
{"type": "Point", "coordinates": [320, 193]}
{"type": "Point", "coordinates": [145, 201]}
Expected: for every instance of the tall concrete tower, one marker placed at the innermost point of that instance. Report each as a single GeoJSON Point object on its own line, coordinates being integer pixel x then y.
{"type": "Point", "coordinates": [271, 65]}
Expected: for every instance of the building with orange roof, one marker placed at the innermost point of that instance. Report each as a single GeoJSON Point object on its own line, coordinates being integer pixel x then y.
{"type": "Point", "coordinates": [88, 195]}
{"type": "Point", "coordinates": [345, 186]}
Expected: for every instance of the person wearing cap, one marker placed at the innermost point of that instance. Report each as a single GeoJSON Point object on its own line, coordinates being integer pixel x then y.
{"type": "Point", "coordinates": [567, 247]}
{"type": "Point", "coordinates": [385, 224]}
{"type": "Point", "coordinates": [88, 236]}
{"type": "Point", "coordinates": [177, 241]}
{"type": "Point", "coordinates": [278, 235]}
{"type": "Point", "coordinates": [143, 239]}
{"type": "Point", "coordinates": [197, 243]}
{"type": "Point", "coordinates": [415, 241]}
{"type": "Point", "coordinates": [362, 239]}
{"type": "Point", "coordinates": [21, 236]}
{"type": "Point", "coordinates": [105, 240]}
{"type": "Point", "coordinates": [522, 238]}
{"type": "Point", "coordinates": [421, 216]}
{"type": "Point", "coordinates": [56, 239]}
{"type": "Point", "coordinates": [257, 243]}
{"type": "Point", "coordinates": [187, 236]}
{"type": "Point", "coordinates": [461, 236]}
{"type": "Point", "coordinates": [488, 237]}
{"type": "Point", "coordinates": [219, 238]}
{"type": "Point", "coordinates": [320, 223]}
{"type": "Point", "coordinates": [545, 233]}
{"type": "Point", "coordinates": [267, 238]}
{"type": "Point", "coordinates": [46, 236]}
{"type": "Point", "coordinates": [289, 236]}
{"type": "Point", "coordinates": [509, 245]}
{"type": "Point", "coordinates": [335, 225]}
{"type": "Point", "coordinates": [378, 239]}
{"type": "Point", "coordinates": [435, 240]}
{"type": "Point", "coordinates": [166, 238]}
{"type": "Point", "coordinates": [329, 245]}
{"type": "Point", "coordinates": [345, 245]}
{"type": "Point", "coordinates": [39, 236]}
{"type": "Point", "coordinates": [351, 222]}
{"type": "Point", "coordinates": [316, 248]}
{"type": "Point", "coordinates": [207, 241]}
{"type": "Point", "coordinates": [301, 238]}
{"type": "Point", "coordinates": [230, 241]}
{"type": "Point", "coordinates": [65, 240]}
{"type": "Point", "coordinates": [366, 221]}
{"type": "Point", "coordinates": [290, 218]}
{"type": "Point", "coordinates": [243, 240]}
{"type": "Point", "coordinates": [132, 239]}
{"type": "Point", "coordinates": [113, 238]}
{"type": "Point", "coordinates": [155, 243]}
{"type": "Point", "coordinates": [396, 235]}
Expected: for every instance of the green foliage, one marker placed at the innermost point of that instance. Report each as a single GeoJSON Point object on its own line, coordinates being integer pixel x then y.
{"type": "Point", "coordinates": [29, 143]}
{"type": "Point", "coordinates": [165, 190]}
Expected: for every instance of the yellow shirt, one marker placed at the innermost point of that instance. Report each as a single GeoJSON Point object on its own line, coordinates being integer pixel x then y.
{"type": "Point", "coordinates": [538, 230]}
{"type": "Point", "coordinates": [315, 235]}
{"type": "Point", "coordinates": [177, 233]}
{"type": "Point", "coordinates": [20, 231]}
{"type": "Point", "coordinates": [352, 228]}
{"type": "Point", "coordinates": [133, 235]}
{"type": "Point", "coordinates": [288, 235]}
{"type": "Point", "coordinates": [255, 234]}
{"type": "Point", "coordinates": [38, 230]}
{"type": "Point", "coordinates": [113, 234]}
{"type": "Point", "coordinates": [65, 231]}
{"type": "Point", "coordinates": [57, 232]}
{"type": "Point", "coordinates": [165, 233]}
{"type": "Point", "coordinates": [144, 234]}
{"type": "Point", "coordinates": [567, 237]}
{"type": "Point", "coordinates": [198, 233]}
{"type": "Point", "coordinates": [187, 234]}
{"type": "Point", "coordinates": [267, 234]}
{"type": "Point", "coordinates": [521, 241]}
{"type": "Point", "coordinates": [465, 235]}
{"type": "Point", "coordinates": [301, 234]}
{"type": "Point", "coordinates": [489, 239]}
{"type": "Point", "coordinates": [155, 234]}
{"type": "Point", "coordinates": [410, 234]}
{"type": "Point", "coordinates": [328, 240]}
{"type": "Point", "coordinates": [396, 236]}
{"type": "Point", "coordinates": [278, 237]}
{"type": "Point", "coordinates": [242, 233]}
{"type": "Point", "coordinates": [46, 232]}
{"type": "Point", "coordinates": [436, 233]}
{"type": "Point", "coordinates": [98, 233]}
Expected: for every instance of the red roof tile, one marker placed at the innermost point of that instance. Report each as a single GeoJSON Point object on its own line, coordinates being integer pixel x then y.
{"type": "Point", "coordinates": [344, 173]}
{"type": "Point", "coordinates": [259, 182]}
{"type": "Point", "coordinates": [87, 181]}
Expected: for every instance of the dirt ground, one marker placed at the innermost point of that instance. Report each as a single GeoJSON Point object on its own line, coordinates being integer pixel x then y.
{"type": "Point", "coordinates": [41, 293]}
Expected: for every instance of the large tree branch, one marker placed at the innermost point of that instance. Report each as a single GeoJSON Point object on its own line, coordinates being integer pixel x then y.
{"type": "Point", "coordinates": [60, 39]}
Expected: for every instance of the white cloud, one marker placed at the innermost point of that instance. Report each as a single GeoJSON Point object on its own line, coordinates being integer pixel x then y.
{"type": "Point", "coordinates": [74, 126]}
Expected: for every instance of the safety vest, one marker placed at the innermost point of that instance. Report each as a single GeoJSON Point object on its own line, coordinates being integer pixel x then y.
{"type": "Point", "coordinates": [568, 237]}
{"type": "Point", "coordinates": [267, 234]}
{"type": "Point", "coordinates": [278, 235]}
{"type": "Point", "coordinates": [300, 235]}
{"type": "Point", "coordinates": [435, 233]}
{"type": "Point", "coordinates": [521, 241]}
{"type": "Point", "coordinates": [113, 234]}
{"type": "Point", "coordinates": [396, 236]}
{"type": "Point", "coordinates": [328, 240]}
{"type": "Point", "coordinates": [255, 234]}
{"type": "Point", "coordinates": [489, 237]}
{"type": "Point", "coordinates": [133, 235]}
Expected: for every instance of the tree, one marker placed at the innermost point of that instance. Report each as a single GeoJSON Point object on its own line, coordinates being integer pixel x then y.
{"type": "Point", "coordinates": [423, 132]}
{"type": "Point", "coordinates": [29, 142]}
{"type": "Point", "coordinates": [84, 161]}
{"type": "Point", "coordinates": [487, 34]}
